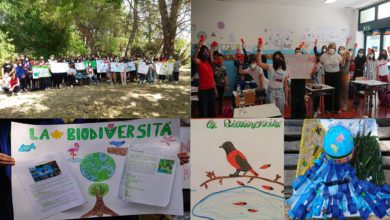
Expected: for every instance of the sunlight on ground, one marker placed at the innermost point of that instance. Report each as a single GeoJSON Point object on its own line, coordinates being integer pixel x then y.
{"type": "Point", "coordinates": [102, 101]}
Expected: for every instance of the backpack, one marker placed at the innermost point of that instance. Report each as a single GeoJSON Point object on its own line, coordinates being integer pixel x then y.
{"type": "Point", "coordinates": [227, 111]}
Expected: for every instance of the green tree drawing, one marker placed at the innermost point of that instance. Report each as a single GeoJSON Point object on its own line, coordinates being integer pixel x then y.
{"type": "Point", "coordinates": [100, 209]}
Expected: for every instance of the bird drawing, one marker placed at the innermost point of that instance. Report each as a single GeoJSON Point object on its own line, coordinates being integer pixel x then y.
{"type": "Point", "coordinates": [73, 150]}
{"type": "Point", "coordinates": [237, 159]}
{"type": "Point", "coordinates": [117, 143]}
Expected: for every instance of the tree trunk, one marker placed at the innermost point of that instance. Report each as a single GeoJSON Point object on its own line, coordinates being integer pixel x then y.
{"type": "Point", "coordinates": [133, 29]}
{"type": "Point", "coordinates": [88, 35]}
{"type": "Point", "coordinates": [99, 210]}
{"type": "Point", "coordinates": [169, 24]}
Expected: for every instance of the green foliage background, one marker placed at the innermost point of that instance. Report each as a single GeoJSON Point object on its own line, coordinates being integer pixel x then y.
{"type": "Point", "coordinates": [73, 27]}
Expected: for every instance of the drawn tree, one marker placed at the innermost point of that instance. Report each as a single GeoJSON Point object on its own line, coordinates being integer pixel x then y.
{"type": "Point", "coordinates": [99, 190]}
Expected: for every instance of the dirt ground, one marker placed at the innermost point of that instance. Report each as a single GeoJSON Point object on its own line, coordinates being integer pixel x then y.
{"type": "Point", "coordinates": [162, 100]}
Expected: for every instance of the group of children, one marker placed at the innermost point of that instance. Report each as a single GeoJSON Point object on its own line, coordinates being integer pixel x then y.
{"type": "Point", "coordinates": [333, 66]}
{"type": "Point", "coordinates": [18, 77]}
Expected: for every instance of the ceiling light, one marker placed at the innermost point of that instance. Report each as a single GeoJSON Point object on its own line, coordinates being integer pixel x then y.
{"type": "Point", "coordinates": [329, 1]}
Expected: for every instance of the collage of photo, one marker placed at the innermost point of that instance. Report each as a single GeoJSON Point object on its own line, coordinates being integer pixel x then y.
{"type": "Point", "coordinates": [194, 109]}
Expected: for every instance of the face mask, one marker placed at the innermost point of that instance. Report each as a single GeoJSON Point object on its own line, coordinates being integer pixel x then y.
{"type": "Point", "coordinates": [331, 51]}
{"type": "Point", "coordinates": [360, 55]}
{"type": "Point", "coordinates": [20, 65]}
{"type": "Point", "coordinates": [324, 50]}
{"type": "Point", "coordinates": [341, 52]}
{"type": "Point", "coordinates": [205, 55]}
{"type": "Point", "coordinates": [253, 66]}
{"type": "Point", "coordinates": [371, 56]}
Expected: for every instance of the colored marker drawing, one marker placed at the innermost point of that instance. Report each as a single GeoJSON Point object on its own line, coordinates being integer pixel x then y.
{"type": "Point", "coordinates": [27, 148]}
{"type": "Point", "coordinates": [237, 172]}
{"type": "Point", "coordinates": [99, 190]}
{"type": "Point", "coordinates": [97, 167]}
{"type": "Point", "coordinates": [244, 202]}
{"type": "Point", "coordinates": [165, 166]}
{"type": "Point", "coordinates": [117, 143]}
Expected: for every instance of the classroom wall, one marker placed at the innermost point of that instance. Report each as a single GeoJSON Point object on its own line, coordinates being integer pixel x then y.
{"type": "Point", "coordinates": [283, 27]}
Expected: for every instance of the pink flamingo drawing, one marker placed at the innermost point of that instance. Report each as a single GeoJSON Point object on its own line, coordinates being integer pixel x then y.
{"type": "Point", "coordinates": [73, 150]}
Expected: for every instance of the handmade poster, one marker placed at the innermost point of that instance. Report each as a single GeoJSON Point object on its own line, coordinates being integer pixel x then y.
{"type": "Point", "coordinates": [346, 177]}
{"type": "Point", "coordinates": [131, 67]}
{"type": "Point", "coordinates": [185, 147]}
{"type": "Point", "coordinates": [313, 132]}
{"type": "Point", "coordinates": [96, 154]}
{"type": "Point", "coordinates": [59, 67]}
{"type": "Point", "coordinates": [117, 67]}
{"type": "Point", "coordinates": [149, 169]}
{"type": "Point", "coordinates": [300, 66]}
{"type": "Point", "coordinates": [79, 66]}
{"type": "Point", "coordinates": [143, 68]}
{"type": "Point", "coordinates": [49, 185]}
{"type": "Point", "coordinates": [93, 64]}
{"type": "Point", "coordinates": [237, 169]}
{"type": "Point", "coordinates": [40, 72]}
{"type": "Point", "coordinates": [101, 67]}
{"type": "Point", "coordinates": [170, 67]}
{"type": "Point", "coordinates": [162, 68]}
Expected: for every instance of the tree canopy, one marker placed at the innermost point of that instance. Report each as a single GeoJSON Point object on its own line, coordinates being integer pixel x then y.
{"type": "Point", "coordinates": [104, 27]}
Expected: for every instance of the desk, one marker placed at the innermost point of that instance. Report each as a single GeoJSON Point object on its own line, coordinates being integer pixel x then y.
{"type": "Point", "coordinates": [258, 111]}
{"type": "Point", "coordinates": [323, 91]}
{"type": "Point", "coordinates": [249, 97]}
{"type": "Point", "coordinates": [370, 89]}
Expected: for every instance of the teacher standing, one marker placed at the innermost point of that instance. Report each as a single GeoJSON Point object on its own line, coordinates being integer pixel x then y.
{"type": "Point", "coordinates": [331, 62]}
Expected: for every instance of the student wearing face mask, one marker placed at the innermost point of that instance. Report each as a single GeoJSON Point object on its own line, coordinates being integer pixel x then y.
{"type": "Point", "coordinates": [7, 68]}
{"type": "Point", "coordinates": [277, 91]}
{"type": "Point", "coordinates": [370, 72]}
{"type": "Point", "coordinates": [331, 62]}
{"type": "Point", "coordinates": [344, 69]}
{"type": "Point", "coordinates": [256, 74]}
{"type": "Point", "coordinates": [206, 90]}
{"type": "Point", "coordinates": [21, 75]}
{"type": "Point", "coordinates": [221, 81]}
{"type": "Point", "coordinates": [382, 66]}
{"type": "Point", "coordinates": [298, 90]}
{"type": "Point", "coordinates": [383, 71]}
{"type": "Point", "coordinates": [324, 49]}
{"type": "Point", "coordinates": [317, 78]}
{"type": "Point", "coordinates": [360, 60]}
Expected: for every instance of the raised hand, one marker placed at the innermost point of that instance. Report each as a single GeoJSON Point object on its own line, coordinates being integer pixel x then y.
{"type": "Point", "coordinates": [260, 43]}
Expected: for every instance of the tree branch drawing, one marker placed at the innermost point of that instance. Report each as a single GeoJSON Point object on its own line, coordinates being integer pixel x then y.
{"type": "Point", "coordinates": [99, 190]}
{"type": "Point", "coordinates": [212, 177]}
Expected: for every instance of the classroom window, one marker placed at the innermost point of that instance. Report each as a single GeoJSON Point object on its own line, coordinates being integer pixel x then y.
{"type": "Point", "coordinates": [374, 42]}
{"type": "Point", "coordinates": [386, 42]}
{"type": "Point", "coordinates": [367, 15]}
{"type": "Point", "coordinates": [384, 10]}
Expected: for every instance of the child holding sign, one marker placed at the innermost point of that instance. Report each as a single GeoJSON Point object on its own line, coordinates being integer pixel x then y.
{"type": "Point", "coordinates": [277, 91]}
{"type": "Point", "coordinates": [207, 90]}
{"type": "Point", "coordinates": [298, 90]}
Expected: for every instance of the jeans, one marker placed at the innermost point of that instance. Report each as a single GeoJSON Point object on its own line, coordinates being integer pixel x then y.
{"type": "Point", "coordinates": [276, 96]}
{"type": "Point", "coordinates": [175, 76]}
{"type": "Point", "coordinates": [207, 103]}
{"type": "Point", "coordinates": [23, 83]}
{"type": "Point", "coordinates": [93, 78]}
